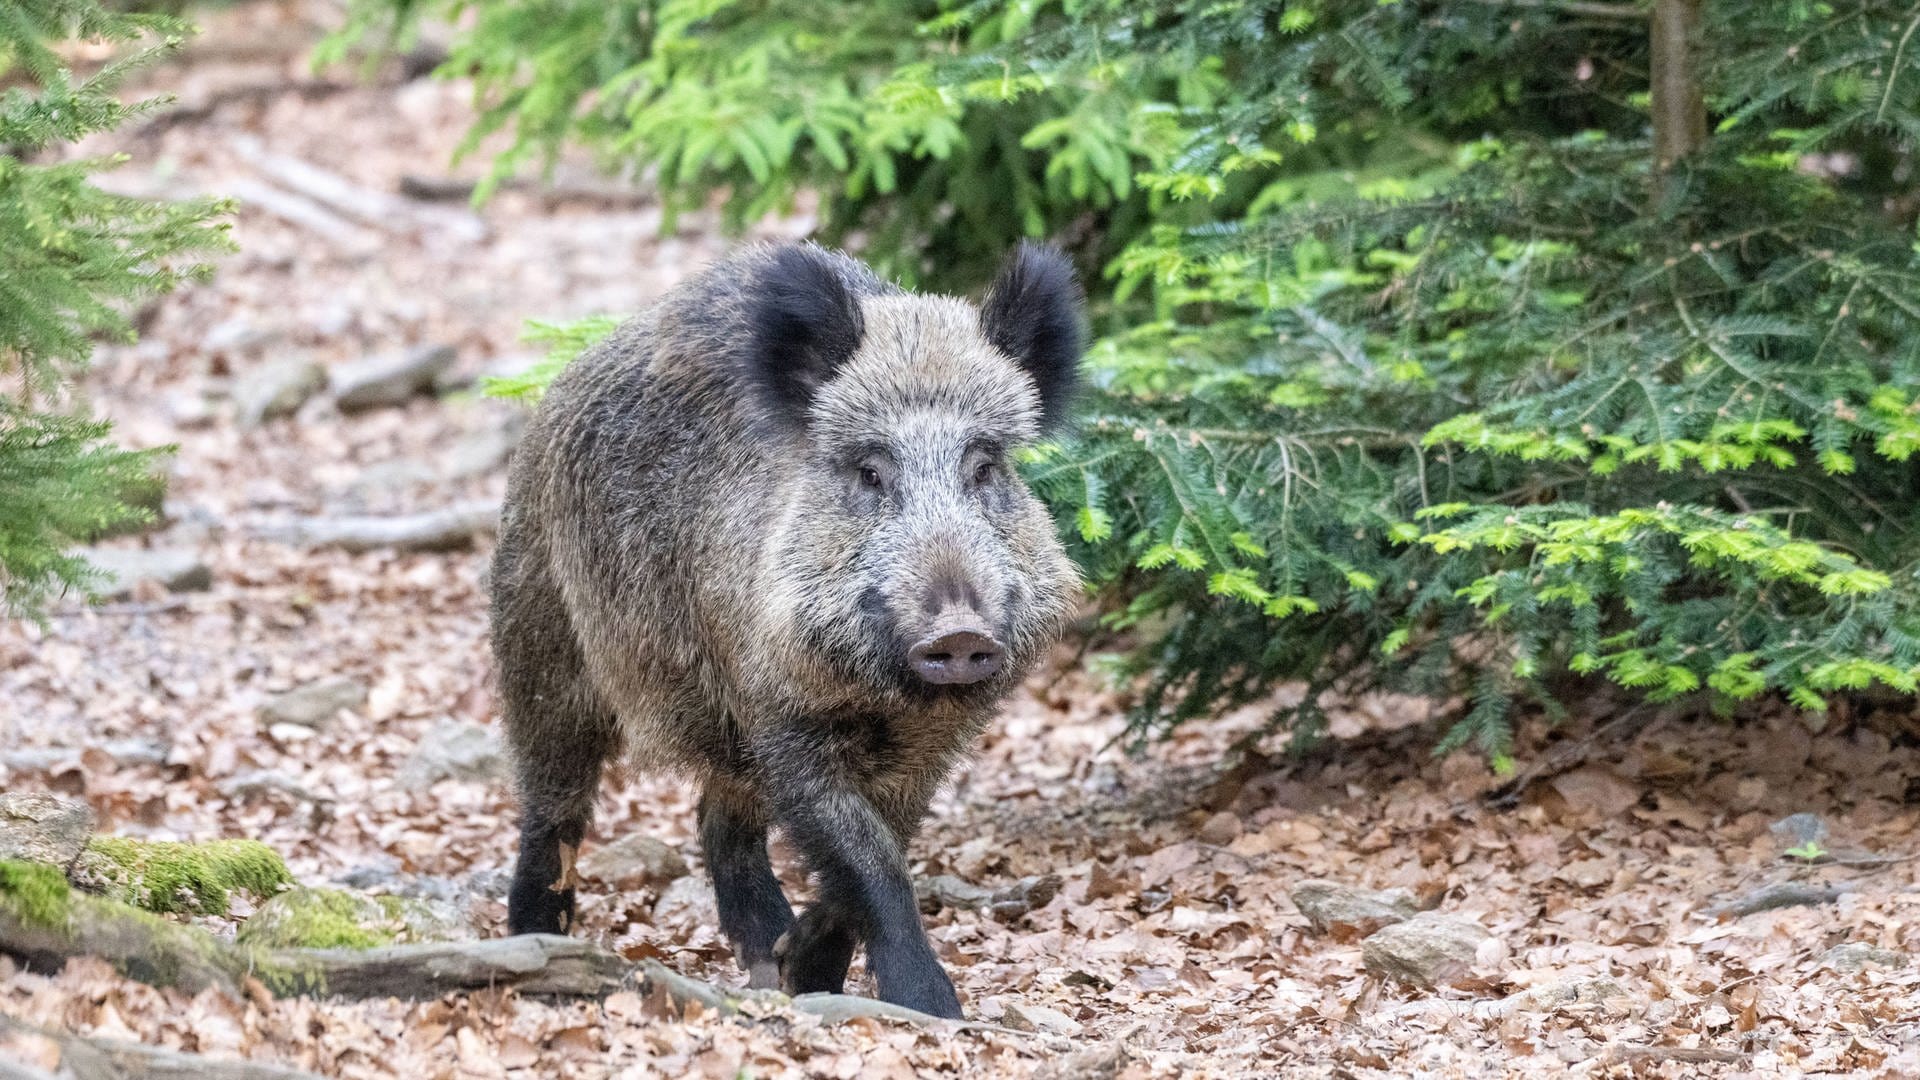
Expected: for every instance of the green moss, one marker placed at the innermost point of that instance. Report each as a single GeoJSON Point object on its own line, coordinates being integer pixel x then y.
{"type": "Point", "coordinates": [169, 876]}
{"type": "Point", "coordinates": [312, 918]}
{"type": "Point", "coordinates": [34, 893]}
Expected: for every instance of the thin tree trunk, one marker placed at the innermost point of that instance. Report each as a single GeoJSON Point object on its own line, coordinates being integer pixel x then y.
{"type": "Point", "coordinates": [1679, 107]}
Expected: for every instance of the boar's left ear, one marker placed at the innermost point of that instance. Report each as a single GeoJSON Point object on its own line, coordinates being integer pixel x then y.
{"type": "Point", "coordinates": [804, 323]}
{"type": "Point", "coordinates": [1033, 314]}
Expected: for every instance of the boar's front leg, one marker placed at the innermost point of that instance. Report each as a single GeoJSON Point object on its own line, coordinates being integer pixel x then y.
{"type": "Point", "coordinates": [753, 911]}
{"type": "Point", "coordinates": [861, 871]}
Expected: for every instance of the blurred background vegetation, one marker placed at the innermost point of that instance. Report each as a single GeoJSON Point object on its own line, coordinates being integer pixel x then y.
{"type": "Point", "coordinates": [1491, 350]}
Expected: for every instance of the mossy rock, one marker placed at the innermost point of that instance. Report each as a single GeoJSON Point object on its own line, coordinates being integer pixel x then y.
{"type": "Point", "coordinates": [35, 893]}
{"type": "Point", "coordinates": [169, 876]}
{"type": "Point", "coordinates": [315, 918]}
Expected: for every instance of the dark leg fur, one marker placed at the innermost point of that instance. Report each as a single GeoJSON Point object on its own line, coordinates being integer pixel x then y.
{"type": "Point", "coordinates": [815, 954]}
{"type": "Point", "coordinates": [860, 866]}
{"type": "Point", "coordinates": [560, 737]}
{"type": "Point", "coordinates": [754, 913]}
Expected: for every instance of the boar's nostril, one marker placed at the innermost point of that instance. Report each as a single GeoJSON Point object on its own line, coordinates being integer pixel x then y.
{"type": "Point", "coordinates": [956, 658]}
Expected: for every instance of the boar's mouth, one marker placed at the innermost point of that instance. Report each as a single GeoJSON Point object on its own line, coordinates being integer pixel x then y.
{"type": "Point", "coordinates": [888, 666]}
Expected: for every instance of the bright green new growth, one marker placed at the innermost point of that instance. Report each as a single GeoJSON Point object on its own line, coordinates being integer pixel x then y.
{"type": "Point", "coordinates": [170, 876]}
{"type": "Point", "coordinates": [34, 893]}
{"type": "Point", "coordinates": [321, 918]}
{"type": "Point", "coordinates": [1418, 370]}
{"type": "Point", "coordinates": [71, 259]}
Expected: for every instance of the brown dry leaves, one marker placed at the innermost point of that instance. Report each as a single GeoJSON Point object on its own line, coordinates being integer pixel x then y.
{"type": "Point", "coordinates": [1172, 949]}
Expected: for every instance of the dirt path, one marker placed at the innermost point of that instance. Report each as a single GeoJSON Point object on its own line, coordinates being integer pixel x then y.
{"type": "Point", "coordinates": [1175, 946]}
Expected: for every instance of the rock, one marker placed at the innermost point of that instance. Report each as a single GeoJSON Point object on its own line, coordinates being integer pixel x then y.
{"type": "Point", "coordinates": [1427, 950]}
{"type": "Point", "coordinates": [177, 570]}
{"type": "Point", "coordinates": [314, 704]}
{"type": "Point", "coordinates": [1030, 1017]}
{"type": "Point", "coordinates": [236, 336]}
{"type": "Point", "coordinates": [634, 857]}
{"type": "Point", "coordinates": [1576, 991]}
{"type": "Point", "coordinates": [454, 751]}
{"type": "Point", "coordinates": [257, 783]}
{"type": "Point", "coordinates": [317, 918]}
{"type": "Point", "coordinates": [1221, 829]}
{"type": "Point", "coordinates": [276, 389]}
{"type": "Point", "coordinates": [440, 530]}
{"type": "Point", "coordinates": [383, 381]}
{"type": "Point", "coordinates": [43, 828]}
{"type": "Point", "coordinates": [1346, 913]}
{"type": "Point", "coordinates": [1851, 956]}
{"type": "Point", "coordinates": [1799, 830]}
{"type": "Point", "coordinates": [389, 477]}
{"type": "Point", "coordinates": [482, 451]}
{"type": "Point", "coordinates": [687, 902]}
{"type": "Point", "coordinates": [1782, 894]}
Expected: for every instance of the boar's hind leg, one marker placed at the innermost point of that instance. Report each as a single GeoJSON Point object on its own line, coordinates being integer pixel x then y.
{"type": "Point", "coordinates": [815, 954]}
{"type": "Point", "coordinates": [560, 737]}
{"type": "Point", "coordinates": [862, 874]}
{"type": "Point", "coordinates": [753, 911]}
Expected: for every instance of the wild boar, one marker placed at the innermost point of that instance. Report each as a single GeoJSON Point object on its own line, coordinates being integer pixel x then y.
{"type": "Point", "coordinates": [767, 535]}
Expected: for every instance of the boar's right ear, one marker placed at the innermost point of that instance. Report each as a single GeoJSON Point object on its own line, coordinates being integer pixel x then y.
{"type": "Point", "coordinates": [804, 323]}
{"type": "Point", "coordinates": [1032, 313]}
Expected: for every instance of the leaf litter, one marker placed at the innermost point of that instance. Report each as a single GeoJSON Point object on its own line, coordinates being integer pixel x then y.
{"type": "Point", "coordinates": [1172, 946]}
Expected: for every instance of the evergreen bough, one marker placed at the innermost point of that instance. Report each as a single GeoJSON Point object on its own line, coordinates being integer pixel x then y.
{"type": "Point", "coordinates": [1476, 348]}
{"type": "Point", "coordinates": [72, 258]}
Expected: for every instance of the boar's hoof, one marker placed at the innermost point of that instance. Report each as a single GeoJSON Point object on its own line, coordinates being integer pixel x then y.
{"type": "Point", "coordinates": [957, 658]}
{"type": "Point", "coordinates": [814, 955]}
{"type": "Point", "coordinates": [763, 975]}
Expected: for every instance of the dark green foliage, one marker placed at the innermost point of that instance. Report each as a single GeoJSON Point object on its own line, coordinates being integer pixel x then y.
{"type": "Point", "coordinates": [1417, 372]}
{"type": "Point", "coordinates": [71, 257]}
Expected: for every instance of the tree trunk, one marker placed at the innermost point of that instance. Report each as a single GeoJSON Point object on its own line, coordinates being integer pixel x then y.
{"type": "Point", "coordinates": [1679, 106]}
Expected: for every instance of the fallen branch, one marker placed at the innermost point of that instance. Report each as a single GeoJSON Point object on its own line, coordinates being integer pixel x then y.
{"type": "Point", "coordinates": [684, 990]}
{"type": "Point", "coordinates": [364, 204]}
{"type": "Point", "coordinates": [1772, 897]}
{"type": "Point", "coordinates": [438, 530]}
{"type": "Point", "coordinates": [85, 1057]}
{"type": "Point", "coordinates": [149, 949]}
{"type": "Point", "coordinates": [309, 215]}
{"type": "Point", "coordinates": [1618, 1054]}
{"type": "Point", "coordinates": [610, 195]}
{"type": "Point", "coordinates": [153, 950]}
{"type": "Point", "coordinates": [1010, 901]}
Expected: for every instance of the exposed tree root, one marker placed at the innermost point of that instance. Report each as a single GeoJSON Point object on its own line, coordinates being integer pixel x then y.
{"type": "Point", "coordinates": [82, 1057]}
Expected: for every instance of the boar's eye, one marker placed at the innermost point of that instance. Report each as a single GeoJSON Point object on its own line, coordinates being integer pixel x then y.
{"type": "Point", "coordinates": [869, 476]}
{"type": "Point", "coordinates": [984, 471]}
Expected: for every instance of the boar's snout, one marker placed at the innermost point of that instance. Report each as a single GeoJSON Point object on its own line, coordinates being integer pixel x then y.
{"type": "Point", "coordinates": [956, 656]}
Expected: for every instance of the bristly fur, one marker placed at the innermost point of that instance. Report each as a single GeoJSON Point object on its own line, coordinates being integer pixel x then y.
{"type": "Point", "coordinates": [724, 527]}
{"type": "Point", "coordinates": [1033, 313]}
{"type": "Point", "coordinates": [804, 323]}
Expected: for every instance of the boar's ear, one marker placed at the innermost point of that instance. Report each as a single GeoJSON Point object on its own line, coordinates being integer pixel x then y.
{"type": "Point", "coordinates": [1033, 314]}
{"type": "Point", "coordinates": [804, 323]}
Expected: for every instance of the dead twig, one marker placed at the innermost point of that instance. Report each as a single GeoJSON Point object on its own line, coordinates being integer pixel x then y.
{"type": "Point", "coordinates": [1567, 756]}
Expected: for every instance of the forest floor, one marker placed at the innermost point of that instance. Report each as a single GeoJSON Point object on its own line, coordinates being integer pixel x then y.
{"type": "Point", "coordinates": [1175, 947]}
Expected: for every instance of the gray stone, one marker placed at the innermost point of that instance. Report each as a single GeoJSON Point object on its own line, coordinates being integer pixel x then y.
{"type": "Point", "coordinates": [383, 381]}
{"type": "Point", "coordinates": [276, 389]}
{"type": "Point", "coordinates": [482, 451]}
{"type": "Point", "coordinates": [311, 917]}
{"type": "Point", "coordinates": [1426, 951]}
{"type": "Point", "coordinates": [137, 751]}
{"type": "Point", "coordinates": [314, 704]}
{"type": "Point", "coordinates": [635, 857]}
{"type": "Point", "coordinates": [1851, 956]}
{"type": "Point", "coordinates": [176, 569]}
{"type": "Point", "coordinates": [1348, 913]}
{"type": "Point", "coordinates": [454, 751]}
{"type": "Point", "coordinates": [1574, 992]}
{"type": "Point", "coordinates": [43, 828]}
{"type": "Point", "coordinates": [1030, 1017]}
{"type": "Point", "coordinates": [1798, 830]}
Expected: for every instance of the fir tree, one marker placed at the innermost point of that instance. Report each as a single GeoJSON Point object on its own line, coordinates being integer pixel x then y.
{"type": "Point", "coordinates": [71, 257]}
{"type": "Point", "coordinates": [1477, 348]}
